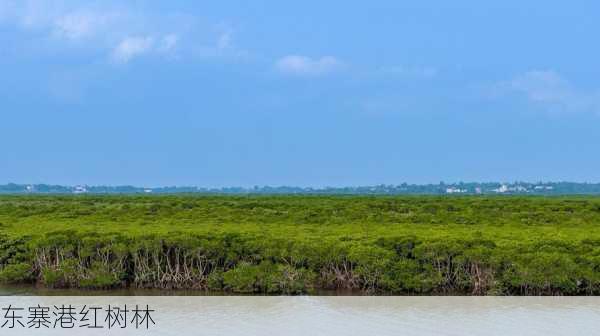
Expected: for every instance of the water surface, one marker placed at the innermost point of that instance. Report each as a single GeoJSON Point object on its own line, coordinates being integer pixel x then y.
{"type": "Point", "coordinates": [343, 315]}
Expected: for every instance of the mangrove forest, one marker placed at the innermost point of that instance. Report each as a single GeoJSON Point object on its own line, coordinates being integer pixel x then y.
{"type": "Point", "coordinates": [286, 244]}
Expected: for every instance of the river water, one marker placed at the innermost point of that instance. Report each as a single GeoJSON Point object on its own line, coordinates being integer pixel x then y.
{"type": "Point", "coordinates": [334, 315]}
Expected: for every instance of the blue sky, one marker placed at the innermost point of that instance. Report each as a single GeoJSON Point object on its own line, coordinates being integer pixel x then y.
{"type": "Point", "coordinates": [310, 93]}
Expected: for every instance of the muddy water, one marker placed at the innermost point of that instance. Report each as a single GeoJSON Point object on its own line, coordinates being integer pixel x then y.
{"type": "Point", "coordinates": [337, 315]}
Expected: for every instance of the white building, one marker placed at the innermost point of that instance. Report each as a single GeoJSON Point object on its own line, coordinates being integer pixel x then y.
{"type": "Point", "coordinates": [80, 189]}
{"type": "Point", "coordinates": [503, 188]}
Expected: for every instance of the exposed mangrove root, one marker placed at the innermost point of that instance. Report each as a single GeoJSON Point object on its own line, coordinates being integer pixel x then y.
{"type": "Point", "coordinates": [210, 263]}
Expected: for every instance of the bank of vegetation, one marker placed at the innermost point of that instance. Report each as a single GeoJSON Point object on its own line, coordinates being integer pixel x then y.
{"type": "Point", "coordinates": [301, 244]}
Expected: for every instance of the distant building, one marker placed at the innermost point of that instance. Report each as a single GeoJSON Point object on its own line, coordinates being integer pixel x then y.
{"type": "Point", "coordinates": [147, 190]}
{"type": "Point", "coordinates": [503, 188]}
{"type": "Point", "coordinates": [80, 189]}
{"type": "Point", "coordinates": [453, 190]}
{"type": "Point", "coordinates": [519, 188]}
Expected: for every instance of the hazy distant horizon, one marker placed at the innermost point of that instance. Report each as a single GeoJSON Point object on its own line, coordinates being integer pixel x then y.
{"type": "Point", "coordinates": [441, 182]}
{"type": "Point", "coordinates": [464, 188]}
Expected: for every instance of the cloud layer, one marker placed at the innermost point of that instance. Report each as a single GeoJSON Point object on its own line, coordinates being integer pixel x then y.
{"type": "Point", "coordinates": [120, 32]}
{"type": "Point", "coordinates": [131, 47]}
{"type": "Point", "coordinates": [305, 66]}
{"type": "Point", "coordinates": [551, 91]}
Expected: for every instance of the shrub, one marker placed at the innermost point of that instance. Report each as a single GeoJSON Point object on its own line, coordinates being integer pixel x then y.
{"type": "Point", "coordinates": [16, 273]}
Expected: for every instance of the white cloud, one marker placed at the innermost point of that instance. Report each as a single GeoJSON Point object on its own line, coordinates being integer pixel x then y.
{"type": "Point", "coordinates": [82, 24]}
{"type": "Point", "coordinates": [131, 47]}
{"type": "Point", "coordinates": [306, 66]}
{"type": "Point", "coordinates": [551, 91]}
{"type": "Point", "coordinates": [541, 86]}
{"type": "Point", "coordinates": [134, 46]}
{"type": "Point", "coordinates": [113, 28]}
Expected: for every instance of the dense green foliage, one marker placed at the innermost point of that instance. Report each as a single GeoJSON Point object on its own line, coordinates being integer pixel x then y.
{"type": "Point", "coordinates": [298, 244]}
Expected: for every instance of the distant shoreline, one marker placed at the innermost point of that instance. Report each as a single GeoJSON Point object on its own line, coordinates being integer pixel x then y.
{"type": "Point", "coordinates": [461, 188]}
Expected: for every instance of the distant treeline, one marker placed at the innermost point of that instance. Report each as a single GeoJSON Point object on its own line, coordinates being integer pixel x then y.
{"type": "Point", "coordinates": [466, 188]}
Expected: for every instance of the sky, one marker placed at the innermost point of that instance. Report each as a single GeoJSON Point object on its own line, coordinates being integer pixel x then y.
{"type": "Point", "coordinates": [303, 93]}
